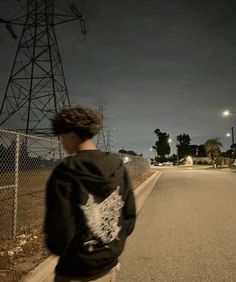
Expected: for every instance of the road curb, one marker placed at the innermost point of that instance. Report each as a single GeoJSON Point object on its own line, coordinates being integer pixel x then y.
{"type": "Point", "coordinates": [142, 191]}
{"type": "Point", "coordinates": [45, 271]}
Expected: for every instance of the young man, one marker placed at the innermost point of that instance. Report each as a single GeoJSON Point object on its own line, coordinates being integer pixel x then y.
{"type": "Point", "coordinates": [90, 207]}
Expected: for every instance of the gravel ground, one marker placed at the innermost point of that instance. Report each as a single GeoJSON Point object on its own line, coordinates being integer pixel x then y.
{"type": "Point", "coordinates": [19, 256]}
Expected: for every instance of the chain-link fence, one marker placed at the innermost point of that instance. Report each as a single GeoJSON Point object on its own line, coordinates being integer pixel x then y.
{"type": "Point", "coordinates": [26, 162]}
{"type": "Point", "coordinates": [136, 165]}
{"type": "Point", "coordinates": [25, 165]}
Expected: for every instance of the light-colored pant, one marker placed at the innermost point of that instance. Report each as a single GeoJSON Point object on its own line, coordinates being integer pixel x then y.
{"type": "Point", "coordinates": [109, 277]}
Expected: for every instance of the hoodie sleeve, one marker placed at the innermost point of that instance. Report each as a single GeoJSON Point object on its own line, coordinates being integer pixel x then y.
{"type": "Point", "coordinates": [59, 225]}
{"type": "Point", "coordinates": [129, 210]}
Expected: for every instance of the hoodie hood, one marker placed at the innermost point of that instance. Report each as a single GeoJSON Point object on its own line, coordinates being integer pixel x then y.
{"type": "Point", "coordinates": [95, 170]}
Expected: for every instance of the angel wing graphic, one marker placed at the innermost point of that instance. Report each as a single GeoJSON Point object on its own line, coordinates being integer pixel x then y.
{"type": "Point", "coordinates": [102, 218]}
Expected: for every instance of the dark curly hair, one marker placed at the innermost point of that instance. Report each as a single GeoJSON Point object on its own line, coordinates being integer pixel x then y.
{"type": "Point", "coordinates": [85, 122]}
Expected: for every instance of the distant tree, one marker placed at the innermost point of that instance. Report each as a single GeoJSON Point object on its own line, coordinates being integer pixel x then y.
{"type": "Point", "coordinates": [172, 158]}
{"type": "Point", "coordinates": [201, 151]}
{"type": "Point", "coordinates": [192, 150]}
{"type": "Point", "coordinates": [212, 147]}
{"type": "Point", "coordinates": [183, 145]}
{"type": "Point", "coordinates": [122, 151]}
{"type": "Point", "coordinates": [183, 139]}
{"type": "Point", "coordinates": [131, 153]}
{"type": "Point", "coordinates": [162, 146]}
{"type": "Point", "coordinates": [228, 153]}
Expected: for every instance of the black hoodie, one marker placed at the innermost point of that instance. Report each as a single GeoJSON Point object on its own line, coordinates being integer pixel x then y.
{"type": "Point", "coordinates": [90, 211]}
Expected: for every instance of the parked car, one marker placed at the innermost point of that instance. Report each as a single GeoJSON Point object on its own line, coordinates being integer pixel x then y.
{"type": "Point", "coordinates": [179, 163]}
{"type": "Point", "coordinates": [168, 163]}
{"type": "Point", "coordinates": [158, 164]}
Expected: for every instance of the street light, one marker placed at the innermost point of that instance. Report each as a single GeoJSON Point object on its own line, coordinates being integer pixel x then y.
{"type": "Point", "coordinates": [232, 135]}
{"type": "Point", "coordinates": [151, 149]}
{"type": "Point", "coordinates": [177, 150]}
{"type": "Point", "coordinates": [227, 113]}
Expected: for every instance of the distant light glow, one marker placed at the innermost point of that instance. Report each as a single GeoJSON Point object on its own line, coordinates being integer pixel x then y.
{"type": "Point", "coordinates": [169, 140]}
{"type": "Point", "coordinates": [226, 113]}
{"type": "Point", "coordinates": [189, 160]}
{"type": "Point", "coordinates": [228, 134]}
{"type": "Point", "coordinates": [126, 159]}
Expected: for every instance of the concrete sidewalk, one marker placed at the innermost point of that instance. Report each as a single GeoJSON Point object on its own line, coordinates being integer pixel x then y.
{"type": "Point", "coordinates": [45, 271]}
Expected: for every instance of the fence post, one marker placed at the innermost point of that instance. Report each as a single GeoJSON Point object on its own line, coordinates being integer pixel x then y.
{"type": "Point", "coordinates": [60, 153]}
{"type": "Point", "coordinates": [16, 184]}
{"type": "Point", "coordinates": [59, 148]}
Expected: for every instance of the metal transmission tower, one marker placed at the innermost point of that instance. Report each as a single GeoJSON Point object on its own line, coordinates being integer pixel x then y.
{"type": "Point", "coordinates": [101, 138]}
{"type": "Point", "coordinates": [36, 88]}
{"type": "Point", "coordinates": [109, 141]}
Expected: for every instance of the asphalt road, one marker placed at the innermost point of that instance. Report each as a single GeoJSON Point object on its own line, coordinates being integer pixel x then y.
{"type": "Point", "coordinates": [186, 230]}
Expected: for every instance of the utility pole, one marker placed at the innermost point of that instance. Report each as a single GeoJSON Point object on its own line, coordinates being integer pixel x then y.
{"type": "Point", "coordinates": [177, 153]}
{"type": "Point", "coordinates": [36, 88]}
{"type": "Point", "coordinates": [232, 130]}
{"type": "Point", "coordinates": [233, 146]}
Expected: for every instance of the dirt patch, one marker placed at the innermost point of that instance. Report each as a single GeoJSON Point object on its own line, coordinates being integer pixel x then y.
{"type": "Point", "coordinates": [20, 256]}
{"type": "Point", "coordinates": [136, 182]}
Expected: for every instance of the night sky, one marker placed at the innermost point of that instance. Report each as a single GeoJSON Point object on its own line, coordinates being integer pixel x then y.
{"type": "Point", "coordinates": [167, 64]}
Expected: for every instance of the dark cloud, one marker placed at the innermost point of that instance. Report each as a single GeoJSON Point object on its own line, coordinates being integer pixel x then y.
{"type": "Point", "coordinates": [158, 64]}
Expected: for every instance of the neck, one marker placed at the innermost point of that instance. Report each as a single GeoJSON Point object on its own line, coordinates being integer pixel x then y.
{"type": "Point", "coordinates": [87, 145]}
